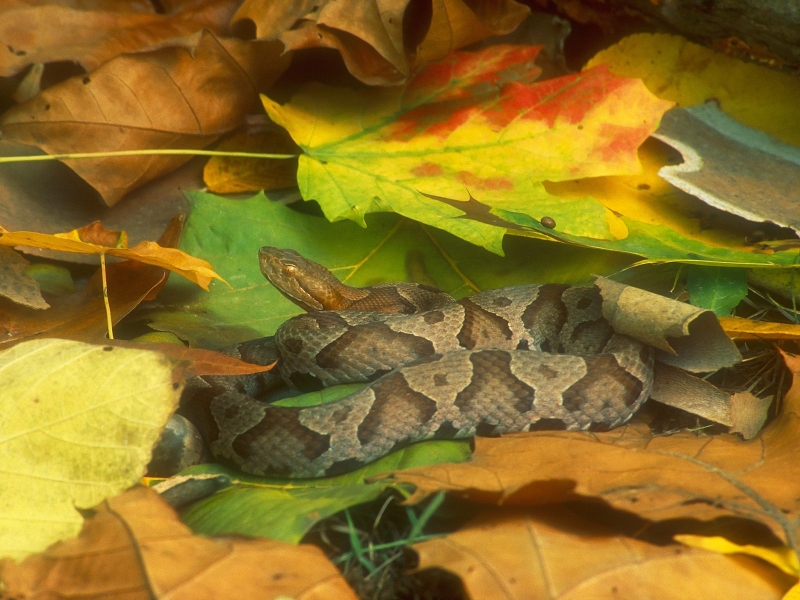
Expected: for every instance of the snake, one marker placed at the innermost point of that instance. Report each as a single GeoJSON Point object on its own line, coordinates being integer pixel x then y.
{"type": "Point", "coordinates": [514, 359]}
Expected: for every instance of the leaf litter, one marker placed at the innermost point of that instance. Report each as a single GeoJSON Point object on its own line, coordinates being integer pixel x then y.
{"type": "Point", "coordinates": [692, 475]}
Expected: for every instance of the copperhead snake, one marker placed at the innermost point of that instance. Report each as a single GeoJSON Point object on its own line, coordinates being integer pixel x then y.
{"type": "Point", "coordinates": [513, 359]}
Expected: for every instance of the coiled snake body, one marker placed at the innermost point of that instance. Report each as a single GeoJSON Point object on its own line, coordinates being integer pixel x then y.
{"type": "Point", "coordinates": [507, 360]}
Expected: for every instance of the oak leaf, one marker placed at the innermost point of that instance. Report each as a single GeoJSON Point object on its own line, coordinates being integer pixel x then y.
{"type": "Point", "coordinates": [135, 546]}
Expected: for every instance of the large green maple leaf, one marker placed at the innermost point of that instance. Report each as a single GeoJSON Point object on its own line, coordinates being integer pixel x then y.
{"type": "Point", "coordinates": [474, 124]}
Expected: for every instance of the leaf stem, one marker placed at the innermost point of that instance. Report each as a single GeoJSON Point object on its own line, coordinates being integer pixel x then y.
{"type": "Point", "coordinates": [105, 295]}
{"type": "Point", "coordinates": [146, 152]}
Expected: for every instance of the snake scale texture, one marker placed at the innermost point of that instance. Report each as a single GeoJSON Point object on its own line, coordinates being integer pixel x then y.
{"type": "Point", "coordinates": [514, 359]}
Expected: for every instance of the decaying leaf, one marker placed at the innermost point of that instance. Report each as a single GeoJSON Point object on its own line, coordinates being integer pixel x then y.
{"type": "Point", "coordinates": [79, 423]}
{"type": "Point", "coordinates": [732, 167]}
{"type": "Point", "coordinates": [16, 284]}
{"type": "Point", "coordinates": [686, 336]}
{"type": "Point", "coordinates": [473, 123]}
{"type": "Point", "coordinates": [370, 34]}
{"type": "Point", "coordinates": [135, 546]}
{"type": "Point", "coordinates": [94, 239]}
{"type": "Point", "coordinates": [175, 97]}
{"type": "Point", "coordinates": [552, 553]}
{"type": "Point", "coordinates": [93, 35]}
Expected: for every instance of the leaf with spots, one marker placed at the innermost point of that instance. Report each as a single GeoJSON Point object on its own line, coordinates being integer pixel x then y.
{"type": "Point", "coordinates": [476, 125]}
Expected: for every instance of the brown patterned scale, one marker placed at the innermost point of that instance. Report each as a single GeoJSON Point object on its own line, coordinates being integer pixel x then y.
{"type": "Point", "coordinates": [507, 360]}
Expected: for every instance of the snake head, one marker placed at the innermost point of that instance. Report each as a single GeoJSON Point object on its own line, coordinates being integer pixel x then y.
{"type": "Point", "coordinates": [306, 283]}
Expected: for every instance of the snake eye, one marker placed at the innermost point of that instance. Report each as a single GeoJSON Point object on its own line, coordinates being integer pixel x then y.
{"type": "Point", "coordinates": [289, 270]}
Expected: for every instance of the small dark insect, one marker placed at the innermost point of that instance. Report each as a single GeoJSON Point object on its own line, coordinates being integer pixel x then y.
{"type": "Point", "coordinates": [548, 222]}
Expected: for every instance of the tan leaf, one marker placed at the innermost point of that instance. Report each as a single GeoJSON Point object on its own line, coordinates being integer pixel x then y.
{"type": "Point", "coordinates": [135, 547]}
{"type": "Point", "coordinates": [16, 284]}
{"type": "Point", "coordinates": [231, 175]}
{"type": "Point", "coordinates": [91, 36]}
{"type": "Point", "coordinates": [747, 329]}
{"type": "Point", "coordinates": [369, 35]}
{"type": "Point", "coordinates": [685, 475]}
{"type": "Point", "coordinates": [177, 97]}
{"type": "Point", "coordinates": [94, 239]}
{"type": "Point", "coordinates": [556, 554]}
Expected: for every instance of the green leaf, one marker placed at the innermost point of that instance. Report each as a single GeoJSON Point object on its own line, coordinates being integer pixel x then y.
{"type": "Point", "coordinates": [78, 425]}
{"type": "Point", "coordinates": [228, 233]}
{"type": "Point", "coordinates": [286, 510]}
{"type": "Point", "coordinates": [472, 124]}
{"type": "Point", "coordinates": [718, 289]}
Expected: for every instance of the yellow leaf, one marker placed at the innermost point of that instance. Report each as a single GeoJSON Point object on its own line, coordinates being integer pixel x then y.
{"type": "Point", "coordinates": [78, 425]}
{"type": "Point", "coordinates": [172, 259]}
{"type": "Point", "coordinates": [746, 329]}
{"type": "Point", "coordinates": [781, 556]}
{"type": "Point", "coordinates": [676, 69]}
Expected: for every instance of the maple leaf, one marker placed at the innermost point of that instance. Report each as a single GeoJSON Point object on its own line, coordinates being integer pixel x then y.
{"type": "Point", "coordinates": [475, 120]}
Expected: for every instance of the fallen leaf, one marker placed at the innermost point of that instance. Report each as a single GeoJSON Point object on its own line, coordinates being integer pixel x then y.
{"type": "Point", "coordinates": [79, 423]}
{"type": "Point", "coordinates": [556, 554]}
{"type": "Point", "coordinates": [135, 546]}
{"type": "Point", "coordinates": [476, 123]}
{"type": "Point", "coordinates": [151, 253]}
{"type": "Point", "coordinates": [92, 36]}
{"type": "Point", "coordinates": [661, 222]}
{"type": "Point", "coordinates": [370, 35]}
{"type": "Point", "coordinates": [286, 510]}
{"type": "Point", "coordinates": [82, 315]}
{"type": "Point", "coordinates": [732, 167]}
{"type": "Point", "coordinates": [29, 203]}
{"type": "Point", "coordinates": [16, 284]}
{"type": "Point", "coordinates": [782, 557]}
{"type": "Point", "coordinates": [175, 97]}
{"type": "Point", "coordinates": [746, 329]}
{"type": "Point", "coordinates": [684, 475]}
{"type": "Point", "coordinates": [232, 175]}
{"type": "Point", "coordinates": [675, 69]}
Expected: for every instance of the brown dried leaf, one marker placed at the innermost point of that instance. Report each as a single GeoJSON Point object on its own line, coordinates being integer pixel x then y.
{"type": "Point", "coordinates": [135, 547]}
{"type": "Point", "coordinates": [556, 554]}
{"type": "Point", "coordinates": [170, 98]}
{"type": "Point", "coordinates": [369, 35]}
{"type": "Point", "coordinates": [16, 284]}
{"type": "Point", "coordinates": [91, 36]}
{"type": "Point", "coordinates": [685, 475]}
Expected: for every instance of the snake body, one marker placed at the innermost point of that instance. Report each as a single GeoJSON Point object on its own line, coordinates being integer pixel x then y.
{"type": "Point", "coordinates": [508, 360]}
